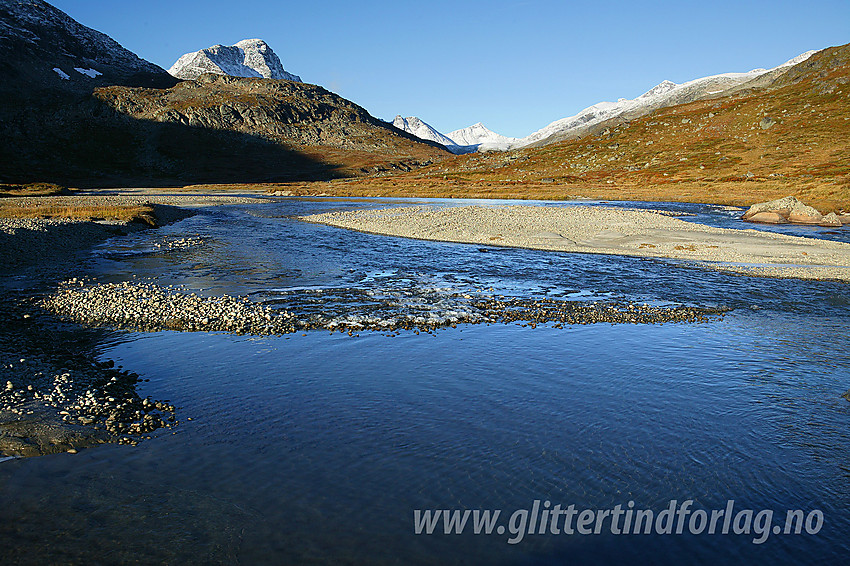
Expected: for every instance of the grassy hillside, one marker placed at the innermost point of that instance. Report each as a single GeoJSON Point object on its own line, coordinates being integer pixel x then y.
{"type": "Point", "coordinates": [789, 137]}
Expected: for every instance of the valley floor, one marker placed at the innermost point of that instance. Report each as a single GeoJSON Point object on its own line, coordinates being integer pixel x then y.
{"type": "Point", "coordinates": [824, 197]}
{"type": "Point", "coordinates": [51, 246]}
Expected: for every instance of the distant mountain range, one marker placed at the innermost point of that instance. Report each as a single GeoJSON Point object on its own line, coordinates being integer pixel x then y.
{"type": "Point", "coordinates": [782, 133]}
{"type": "Point", "coordinates": [604, 114]}
{"type": "Point", "coordinates": [248, 58]}
{"type": "Point", "coordinates": [425, 131]}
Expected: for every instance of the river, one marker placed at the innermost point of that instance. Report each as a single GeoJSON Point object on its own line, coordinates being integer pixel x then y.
{"type": "Point", "coordinates": [319, 447]}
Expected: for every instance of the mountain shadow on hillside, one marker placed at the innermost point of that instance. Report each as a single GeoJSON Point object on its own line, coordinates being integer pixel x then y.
{"type": "Point", "coordinates": [85, 142]}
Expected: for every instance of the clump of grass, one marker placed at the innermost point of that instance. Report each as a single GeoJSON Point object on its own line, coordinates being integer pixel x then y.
{"type": "Point", "coordinates": [33, 190]}
{"type": "Point", "coordinates": [138, 213]}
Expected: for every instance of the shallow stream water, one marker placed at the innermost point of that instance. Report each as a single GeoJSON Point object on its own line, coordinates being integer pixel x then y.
{"type": "Point", "coordinates": [318, 447]}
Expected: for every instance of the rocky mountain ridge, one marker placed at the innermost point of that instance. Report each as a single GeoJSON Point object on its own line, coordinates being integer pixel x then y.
{"type": "Point", "coordinates": [297, 114]}
{"type": "Point", "coordinates": [663, 95]}
{"type": "Point", "coordinates": [44, 48]}
{"type": "Point", "coordinates": [78, 109]}
{"type": "Point", "coordinates": [247, 58]}
{"type": "Point", "coordinates": [606, 114]}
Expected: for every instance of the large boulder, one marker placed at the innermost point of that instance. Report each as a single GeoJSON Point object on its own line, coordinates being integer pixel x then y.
{"type": "Point", "coordinates": [804, 214]}
{"type": "Point", "coordinates": [789, 208]}
{"type": "Point", "coordinates": [831, 220]}
{"type": "Point", "coordinates": [767, 218]}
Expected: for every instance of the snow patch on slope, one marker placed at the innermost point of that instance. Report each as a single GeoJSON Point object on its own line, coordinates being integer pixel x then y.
{"type": "Point", "coordinates": [90, 73]}
{"type": "Point", "coordinates": [46, 27]}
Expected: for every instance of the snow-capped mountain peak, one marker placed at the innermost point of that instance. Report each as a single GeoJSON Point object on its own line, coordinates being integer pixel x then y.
{"type": "Point", "coordinates": [421, 130]}
{"type": "Point", "coordinates": [666, 93]}
{"type": "Point", "coordinates": [482, 137]}
{"type": "Point", "coordinates": [657, 90]}
{"type": "Point", "coordinates": [424, 131]}
{"type": "Point", "coordinates": [247, 58]}
{"type": "Point", "coordinates": [798, 59]}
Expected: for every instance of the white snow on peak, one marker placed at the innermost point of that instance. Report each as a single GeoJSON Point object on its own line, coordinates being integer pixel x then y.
{"type": "Point", "coordinates": [90, 73]}
{"type": "Point", "coordinates": [666, 93]}
{"type": "Point", "coordinates": [485, 139]}
{"type": "Point", "coordinates": [798, 59]}
{"type": "Point", "coordinates": [425, 131]}
{"type": "Point", "coordinates": [248, 58]}
{"type": "Point", "coordinates": [659, 89]}
{"type": "Point", "coordinates": [62, 74]}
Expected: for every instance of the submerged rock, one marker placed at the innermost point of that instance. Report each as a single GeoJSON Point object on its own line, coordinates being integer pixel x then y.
{"type": "Point", "coordinates": [56, 396]}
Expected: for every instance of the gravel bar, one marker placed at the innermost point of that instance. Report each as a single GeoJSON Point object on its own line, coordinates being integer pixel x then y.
{"type": "Point", "coordinates": [56, 396]}
{"type": "Point", "coordinates": [607, 230]}
{"type": "Point", "coordinates": [149, 307]}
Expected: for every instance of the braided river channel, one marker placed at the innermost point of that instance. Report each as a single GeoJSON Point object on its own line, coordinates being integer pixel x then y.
{"type": "Point", "coordinates": [323, 447]}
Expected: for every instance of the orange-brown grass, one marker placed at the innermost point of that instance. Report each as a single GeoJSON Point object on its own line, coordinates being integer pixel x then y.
{"type": "Point", "coordinates": [139, 213]}
{"type": "Point", "coordinates": [32, 190]}
{"type": "Point", "coordinates": [713, 151]}
{"type": "Point", "coordinates": [734, 193]}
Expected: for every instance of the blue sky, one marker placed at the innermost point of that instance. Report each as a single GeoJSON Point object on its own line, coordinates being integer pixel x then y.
{"type": "Point", "coordinates": [515, 66]}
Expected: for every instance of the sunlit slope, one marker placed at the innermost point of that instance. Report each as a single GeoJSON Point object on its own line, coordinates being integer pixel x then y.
{"type": "Point", "coordinates": [791, 136]}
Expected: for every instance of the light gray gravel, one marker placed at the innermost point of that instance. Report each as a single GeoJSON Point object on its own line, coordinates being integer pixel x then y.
{"type": "Point", "coordinates": [150, 307]}
{"type": "Point", "coordinates": [607, 230]}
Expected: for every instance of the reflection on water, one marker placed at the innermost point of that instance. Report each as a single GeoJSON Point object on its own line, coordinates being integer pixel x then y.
{"type": "Point", "coordinates": [318, 448]}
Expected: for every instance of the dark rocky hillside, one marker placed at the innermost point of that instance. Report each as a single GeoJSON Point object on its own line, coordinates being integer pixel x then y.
{"type": "Point", "coordinates": [299, 115]}
{"type": "Point", "coordinates": [36, 38]}
{"type": "Point", "coordinates": [79, 109]}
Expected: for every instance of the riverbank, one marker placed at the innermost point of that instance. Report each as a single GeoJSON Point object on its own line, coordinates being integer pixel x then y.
{"type": "Point", "coordinates": [26, 239]}
{"type": "Point", "coordinates": [608, 230]}
{"type": "Point", "coordinates": [741, 193]}
{"type": "Point", "coordinates": [55, 393]}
